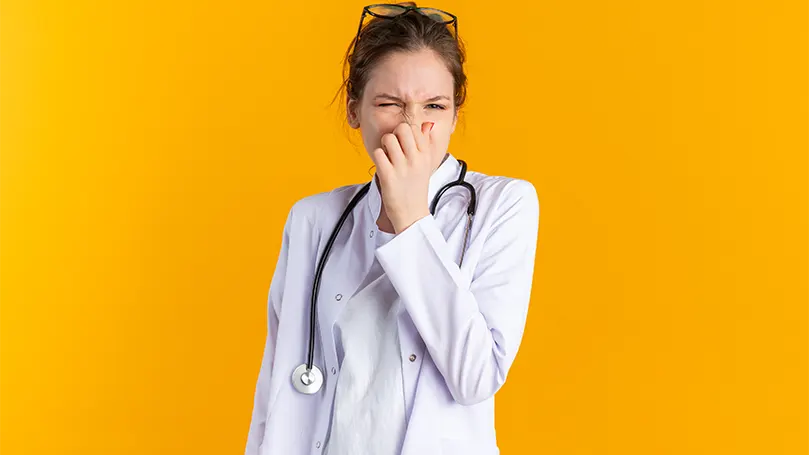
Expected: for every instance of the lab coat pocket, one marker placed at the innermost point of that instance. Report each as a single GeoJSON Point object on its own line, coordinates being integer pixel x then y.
{"type": "Point", "coordinates": [455, 446]}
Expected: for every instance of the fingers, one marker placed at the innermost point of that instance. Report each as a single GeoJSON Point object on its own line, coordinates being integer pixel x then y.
{"type": "Point", "coordinates": [427, 132]}
{"type": "Point", "coordinates": [420, 133]}
{"type": "Point", "coordinates": [391, 146]}
{"type": "Point", "coordinates": [381, 161]}
{"type": "Point", "coordinates": [406, 142]}
{"type": "Point", "coordinates": [427, 128]}
{"type": "Point", "coordinates": [407, 139]}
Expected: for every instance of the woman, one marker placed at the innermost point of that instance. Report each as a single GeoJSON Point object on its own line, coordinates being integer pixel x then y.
{"type": "Point", "coordinates": [419, 312]}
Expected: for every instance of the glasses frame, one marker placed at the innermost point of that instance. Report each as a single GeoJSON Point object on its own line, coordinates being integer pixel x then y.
{"type": "Point", "coordinates": [366, 11]}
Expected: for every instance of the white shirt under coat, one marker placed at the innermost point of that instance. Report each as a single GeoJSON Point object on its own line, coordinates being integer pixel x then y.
{"type": "Point", "coordinates": [459, 328]}
{"type": "Point", "coordinates": [368, 415]}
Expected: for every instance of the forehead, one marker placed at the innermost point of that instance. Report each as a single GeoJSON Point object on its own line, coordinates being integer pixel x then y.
{"type": "Point", "coordinates": [411, 75]}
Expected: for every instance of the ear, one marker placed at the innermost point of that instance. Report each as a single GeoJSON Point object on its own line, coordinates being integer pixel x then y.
{"type": "Point", "coordinates": [454, 122]}
{"type": "Point", "coordinates": [352, 113]}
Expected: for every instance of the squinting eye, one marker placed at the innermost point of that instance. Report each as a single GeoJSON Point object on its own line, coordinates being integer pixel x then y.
{"type": "Point", "coordinates": [437, 106]}
{"type": "Point", "coordinates": [388, 104]}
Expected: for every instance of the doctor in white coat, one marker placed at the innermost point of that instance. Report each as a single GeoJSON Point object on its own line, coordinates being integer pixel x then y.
{"type": "Point", "coordinates": [415, 333]}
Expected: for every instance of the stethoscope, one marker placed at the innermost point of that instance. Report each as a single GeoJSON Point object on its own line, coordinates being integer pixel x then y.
{"type": "Point", "coordinates": [308, 378]}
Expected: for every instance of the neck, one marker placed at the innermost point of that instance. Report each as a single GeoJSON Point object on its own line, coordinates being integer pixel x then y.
{"type": "Point", "coordinates": [383, 223]}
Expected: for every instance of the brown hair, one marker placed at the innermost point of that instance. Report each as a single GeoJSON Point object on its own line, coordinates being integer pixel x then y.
{"type": "Point", "coordinates": [409, 32]}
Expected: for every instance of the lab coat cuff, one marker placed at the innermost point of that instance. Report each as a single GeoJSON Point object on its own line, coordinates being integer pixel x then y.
{"type": "Point", "coordinates": [422, 241]}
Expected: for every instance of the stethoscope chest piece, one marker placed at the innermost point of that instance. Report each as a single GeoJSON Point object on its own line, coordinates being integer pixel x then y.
{"type": "Point", "coordinates": [307, 381]}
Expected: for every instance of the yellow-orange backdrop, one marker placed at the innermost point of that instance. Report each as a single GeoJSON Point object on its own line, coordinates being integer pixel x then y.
{"type": "Point", "coordinates": [151, 150]}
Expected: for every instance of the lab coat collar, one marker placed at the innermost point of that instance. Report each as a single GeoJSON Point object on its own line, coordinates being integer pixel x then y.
{"type": "Point", "coordinates": [445, 173]}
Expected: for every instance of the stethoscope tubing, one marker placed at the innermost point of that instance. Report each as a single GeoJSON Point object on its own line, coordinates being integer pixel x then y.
{"type": "Point", "coordinates": [311, 383]}
{"type": "Point", "coordinates": [322, 264]}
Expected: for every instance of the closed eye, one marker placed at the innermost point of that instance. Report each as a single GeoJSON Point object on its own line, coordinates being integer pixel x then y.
{"type": "Point", "coordinates": [431, 106]}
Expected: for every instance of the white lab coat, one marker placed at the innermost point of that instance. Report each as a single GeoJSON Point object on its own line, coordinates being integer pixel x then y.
{"type": "Point", "coordinates": [464, 325]}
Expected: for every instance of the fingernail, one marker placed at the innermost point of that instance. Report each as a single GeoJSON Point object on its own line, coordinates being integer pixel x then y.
{"type": "Point", "coordinates": [431, 126]}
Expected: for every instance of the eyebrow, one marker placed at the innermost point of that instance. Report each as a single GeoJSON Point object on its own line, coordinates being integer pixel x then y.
{"type": "Point", "coordinates": [396, 98]}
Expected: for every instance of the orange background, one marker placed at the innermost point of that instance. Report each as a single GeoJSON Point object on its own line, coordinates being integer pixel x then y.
{"type": "Point", "coordinates": [151, 151]}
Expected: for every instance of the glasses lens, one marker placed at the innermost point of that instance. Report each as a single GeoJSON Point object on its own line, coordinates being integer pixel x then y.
{"type": "Point", "coordinates": [437, 15]}
{"type": "Point", "coordinates": [386, 10]}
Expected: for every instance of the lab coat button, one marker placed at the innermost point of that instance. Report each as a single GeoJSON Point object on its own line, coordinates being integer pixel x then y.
{"type": "Point", "coordinates": [333, 370]}
{"type": "Point", "coordinates": [412, 357]}
{"type": "Point", "coordinates": [372, 234]}
{"type": "Point", "coordinates": [317, 444]}
{"type": "Point", "coordinates": [338, 297]}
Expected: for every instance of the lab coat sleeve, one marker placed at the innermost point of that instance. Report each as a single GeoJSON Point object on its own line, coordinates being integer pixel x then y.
{"type": "Point", "coordinates": [258, 419]}
{"type": "Point", "coordinates": [471, 330]}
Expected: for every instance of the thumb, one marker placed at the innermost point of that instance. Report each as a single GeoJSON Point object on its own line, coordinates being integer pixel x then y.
{"type": "Point", "coordinates": [426, 127]}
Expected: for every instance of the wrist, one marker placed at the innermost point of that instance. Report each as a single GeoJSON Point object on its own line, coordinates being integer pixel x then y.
{"type": "Point", "coordinates": [405, 222]}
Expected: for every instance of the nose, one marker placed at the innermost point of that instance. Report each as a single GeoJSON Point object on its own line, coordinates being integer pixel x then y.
{"type": "Point", "coordinates": [412, 115]}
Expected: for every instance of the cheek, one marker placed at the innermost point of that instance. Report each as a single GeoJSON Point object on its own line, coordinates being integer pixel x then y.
{"type": "Point", "coordinates": [443, 135]}
{"type": "Point", "coordinates": [385, 120]}
{"type": "Point", "coordinates": [372, 137]}
{"type": "Point", "coordinates": [375, 125]}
